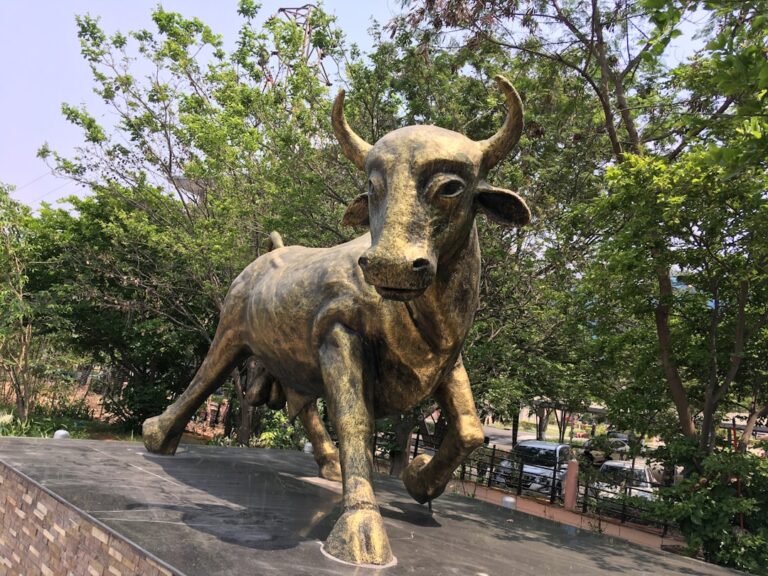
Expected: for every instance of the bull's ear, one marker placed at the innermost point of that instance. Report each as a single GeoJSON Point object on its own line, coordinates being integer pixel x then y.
{"type": "Point", "coordinates": [503, 206]}
{"type": "Point", "coordinates": [357, 212]}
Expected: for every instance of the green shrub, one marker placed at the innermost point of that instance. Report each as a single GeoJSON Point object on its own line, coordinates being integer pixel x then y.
{"type": "Point", "coordinates": [37, 426]}
{"type": "Point", "coordinates": [729, 491]}
{"type": "Point", "coordinates": [278, 432]}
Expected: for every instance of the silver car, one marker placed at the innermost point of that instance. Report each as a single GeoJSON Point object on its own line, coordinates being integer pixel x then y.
{"type": "Point", "coordinates": [543, 462]}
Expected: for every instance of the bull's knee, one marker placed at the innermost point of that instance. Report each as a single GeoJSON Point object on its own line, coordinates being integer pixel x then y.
{"type": "Point", "coordinates": [329, 466]}
{"type": "Point", "coordinates": [421, 486]}
{"type": "Point", "coordinates": [470, 433]}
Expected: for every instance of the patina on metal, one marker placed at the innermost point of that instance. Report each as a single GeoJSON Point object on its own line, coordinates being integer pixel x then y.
{"type": "Point", "coordinates": [375, 325]}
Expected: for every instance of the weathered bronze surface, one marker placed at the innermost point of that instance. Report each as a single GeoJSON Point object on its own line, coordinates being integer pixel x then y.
{"type": "Point", "coordinates": [375, 325]}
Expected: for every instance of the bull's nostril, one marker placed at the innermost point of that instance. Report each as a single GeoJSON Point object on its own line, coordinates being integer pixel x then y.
{"type": "Point", "coordinates": [362, 261]}
{"type": "Point", "coordinates": [420, 264]}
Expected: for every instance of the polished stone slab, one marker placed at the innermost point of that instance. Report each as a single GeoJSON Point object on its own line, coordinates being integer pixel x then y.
{"type": "Point", "coordinates": [226, 511]}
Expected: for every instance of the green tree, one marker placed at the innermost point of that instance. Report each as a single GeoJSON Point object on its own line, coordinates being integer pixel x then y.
{"type": "Point", "coordinates": [105, 276]}
{"type": "Point", "coordinates": [17, 318]}
{"type": "Point", "coordinates": [210, 151]}
{"type": "Point", "coordinates": [663, 116]}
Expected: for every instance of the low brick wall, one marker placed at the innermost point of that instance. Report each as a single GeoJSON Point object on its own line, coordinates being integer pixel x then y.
{"type": "Point", "coordinates": [42, 534]}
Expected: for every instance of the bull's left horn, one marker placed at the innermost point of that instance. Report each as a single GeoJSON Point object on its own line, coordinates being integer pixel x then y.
{"type": "Point", "coordinates": [354, 147]}
{"type": "Point", "coordinates": [500, 144]}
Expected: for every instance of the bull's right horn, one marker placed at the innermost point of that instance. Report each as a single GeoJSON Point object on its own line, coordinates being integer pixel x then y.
{"type": "Point", "coordinates": [354, 147]}
{"type": "Point", "coordinates": [500, 144]}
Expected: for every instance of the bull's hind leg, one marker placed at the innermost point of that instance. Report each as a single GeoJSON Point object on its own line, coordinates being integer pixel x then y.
{"type": "Point", "coordinates": [427, 478]}
{"type": "Point", "coordinates": [265, 389]}
{"type": "Point", "coordinates": [326, 455]}
{"type": "Point", "coordinates": [359, 535]}
{"type": "Point", "coordinates": [162, 433]}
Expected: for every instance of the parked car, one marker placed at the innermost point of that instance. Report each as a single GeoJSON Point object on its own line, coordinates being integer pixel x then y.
{"type": "Point", "coordinates": [617, 476]}
{"type": "Point", "coordinates": [542, 463]}
{"type": "Point", "coordinates": [625, 436]}
{"type": "Point", "coordinates": [598, 450]}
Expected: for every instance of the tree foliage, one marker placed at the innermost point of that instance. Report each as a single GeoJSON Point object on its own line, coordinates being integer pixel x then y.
{"type": "Point", "coordinates": [703, 118]}
{"type": "Point", "coordinates": [210, 151]}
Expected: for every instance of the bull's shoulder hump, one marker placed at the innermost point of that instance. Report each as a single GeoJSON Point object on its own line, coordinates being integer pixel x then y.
{"type": "Point", "coordinates": [321, 262]}
{"type": "Point", "coordinates": [312, 275]}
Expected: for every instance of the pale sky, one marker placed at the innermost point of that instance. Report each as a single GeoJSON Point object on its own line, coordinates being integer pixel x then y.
{"type": "Point", "coordinates": [41, 67]}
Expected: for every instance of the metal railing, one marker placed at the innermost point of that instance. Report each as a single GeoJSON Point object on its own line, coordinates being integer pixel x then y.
{"type": "Point", "coordinates": [506, 470]}
{"type": "Point", "coordinates": [612, 496]}
{"type": "Point", "coordinates": [621, 497]}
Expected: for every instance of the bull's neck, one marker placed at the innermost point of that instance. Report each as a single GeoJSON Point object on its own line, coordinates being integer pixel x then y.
{"type": "Point", "coordinates": [444, 313]}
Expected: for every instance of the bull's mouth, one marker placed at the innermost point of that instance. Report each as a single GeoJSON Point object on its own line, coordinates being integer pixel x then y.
{"type": "Point", "coordinates": [400, 294]}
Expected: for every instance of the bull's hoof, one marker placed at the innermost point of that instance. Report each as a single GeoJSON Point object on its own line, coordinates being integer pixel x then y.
{"type": "Point", "coordinates": [359, 537]}
{"type": "Point", "coordinates": [417, 481]}
{"type": "Point", "coordinates": [330, 469]}
{"type": "Point", "coordinates": [157, 438]}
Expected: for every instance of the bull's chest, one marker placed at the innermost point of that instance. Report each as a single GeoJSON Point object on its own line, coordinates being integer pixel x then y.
{"type": "Point", "coordinates": [404, 371]}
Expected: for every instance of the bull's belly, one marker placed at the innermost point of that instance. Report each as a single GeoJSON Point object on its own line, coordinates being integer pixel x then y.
{"type": "Point", "coordinates": [396, 387]}
{"type": "Point", "coordinates": [298, 372]}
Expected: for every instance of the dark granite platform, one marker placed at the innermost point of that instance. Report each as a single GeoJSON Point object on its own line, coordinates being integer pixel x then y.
{"type": "Point", "coordinates": [223, 511]}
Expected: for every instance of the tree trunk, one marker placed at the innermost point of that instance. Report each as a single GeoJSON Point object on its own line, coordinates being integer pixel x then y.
{"type": "Point", "coordinates": [515, 427]}
{"type": "Point", "coordinates": [249, 415]}
{"type": "Point", "coordinates": [244, 413]}
{"type": "Point", "coordinates": [562, 425]}
{"type": "Point", "coordinates": [754, 416]}
{"type": "Point", "coordinates": [542, 422]}
{"type": "Point", "coordinates": [22, 407]}
{"type": "Point", "coordinates": [20, 392]}
{"type": "Point", "coordinates": [674, 381]}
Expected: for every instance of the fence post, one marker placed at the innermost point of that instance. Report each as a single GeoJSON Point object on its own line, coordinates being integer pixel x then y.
{"type": "Point", "coordinates": [493, 464]}
{"type": "Point", "coordinates": [553, 489]}
{"type": "Point", "coordinates": [463, 471]}
{"type": "Point", "coordinates": [520, 477]}
{"type": "Point", "coordinates": [624, 503]}
{"type": "Point", "coordinates": [416, 444]}
{"type": "Point", "coordinates": [571, 488]}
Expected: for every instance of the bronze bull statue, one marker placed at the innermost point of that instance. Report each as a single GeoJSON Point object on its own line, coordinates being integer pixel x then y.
{"type": "Point", "coordinates": [375, 325]}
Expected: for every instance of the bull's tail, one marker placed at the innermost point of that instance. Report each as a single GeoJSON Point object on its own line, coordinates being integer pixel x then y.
{"type": "Point", "coordinates": [275, 241]}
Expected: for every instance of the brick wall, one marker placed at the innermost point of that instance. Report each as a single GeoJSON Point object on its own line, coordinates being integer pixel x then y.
{"type": "Point", "coordinates": [42, 534]}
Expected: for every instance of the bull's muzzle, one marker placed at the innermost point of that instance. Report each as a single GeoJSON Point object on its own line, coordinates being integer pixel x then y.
{"type": "Point", "coordinates": [397, 278]}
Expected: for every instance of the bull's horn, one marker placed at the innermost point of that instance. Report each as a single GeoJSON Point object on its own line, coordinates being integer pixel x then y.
{"type": "Point", "coordinates": [354, 147]}
{"type": "Point", "coordinates": [499, 145]}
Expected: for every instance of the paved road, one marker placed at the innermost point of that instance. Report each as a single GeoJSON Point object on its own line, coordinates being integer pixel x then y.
{"type": "Point", "coordinates": [503, 437]}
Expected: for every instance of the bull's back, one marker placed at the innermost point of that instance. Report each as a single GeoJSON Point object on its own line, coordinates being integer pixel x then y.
{"type": "Point", "coordinates": [292, 292]}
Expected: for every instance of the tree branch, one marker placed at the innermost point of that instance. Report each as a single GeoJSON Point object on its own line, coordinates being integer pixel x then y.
{"type": "Point", "coordinates": [684, 142]}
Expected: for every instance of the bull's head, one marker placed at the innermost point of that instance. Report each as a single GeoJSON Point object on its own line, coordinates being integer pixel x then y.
{"type": "Point", "coordinates": [425, 185]}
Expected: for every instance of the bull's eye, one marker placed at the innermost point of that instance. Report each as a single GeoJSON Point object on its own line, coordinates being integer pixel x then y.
{"type": "Point", "coordinates": [451, 188]}
{"type": "Point", "coordinates": [376, 185]}
{"type": "Point", "coordinates": [445, 185]}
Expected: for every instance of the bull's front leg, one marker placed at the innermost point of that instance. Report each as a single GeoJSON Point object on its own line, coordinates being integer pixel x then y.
{"type": "Point", "coordinates": [359, 535]}
{"type": "Point", "coordinates": [425, 477]}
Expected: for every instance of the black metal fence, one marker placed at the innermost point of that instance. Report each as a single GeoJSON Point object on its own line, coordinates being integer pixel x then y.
{"type": "Point", "coordinates": [621, 491]}
{"type": "Point", "coordinates": [618, 490]}
{"type": "Point", "coordinates": [538, 474]}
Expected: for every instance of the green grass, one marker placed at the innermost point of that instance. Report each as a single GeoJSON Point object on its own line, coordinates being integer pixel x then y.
{"type": "Point", "coordinates": [43, 426]}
